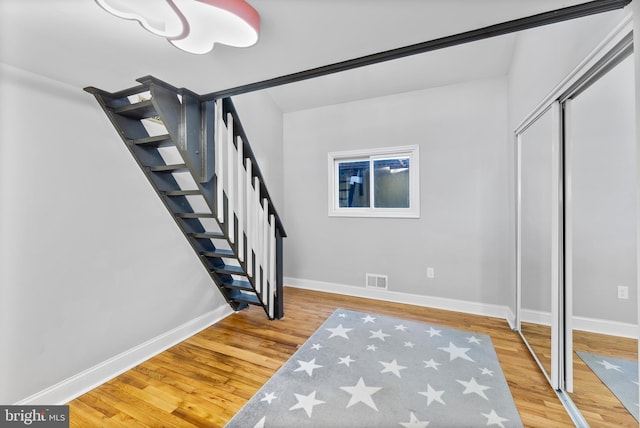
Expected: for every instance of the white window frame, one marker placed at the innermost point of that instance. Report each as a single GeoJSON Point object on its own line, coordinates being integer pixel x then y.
{"type": "Point", "coordinates": [412, 152]}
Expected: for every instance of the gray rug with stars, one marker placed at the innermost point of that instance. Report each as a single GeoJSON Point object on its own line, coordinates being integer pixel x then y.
{"type": "Point", "coordinates": [365, 370]}
{"type": "Point", "coordinates": [620, 376]}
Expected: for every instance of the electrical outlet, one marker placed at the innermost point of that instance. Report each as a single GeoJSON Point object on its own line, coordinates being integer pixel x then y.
{"type": "Point", "coordinates": [623, 292]}
{"type": "Point", "coordinates": [431, 273]}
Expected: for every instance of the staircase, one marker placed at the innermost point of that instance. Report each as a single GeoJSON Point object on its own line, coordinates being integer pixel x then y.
{"type": "Point", "coordinates": [195, 154]}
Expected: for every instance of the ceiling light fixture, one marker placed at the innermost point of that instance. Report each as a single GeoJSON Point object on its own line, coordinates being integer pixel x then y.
{"type": "Point", "coordinates": [194, 26]}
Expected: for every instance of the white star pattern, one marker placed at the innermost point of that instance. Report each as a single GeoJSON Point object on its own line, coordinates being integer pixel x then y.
{"type": "Point", "coordinates": [361, 393]}
{"type": "Point", "coordinates": [368, 318]}
{"type": "Point", "coordinates": [607, 365]}
{"type": "Point", "coordinates": [473, 339]}
{"type": "Point", "coordinates": [455, 352]}
{"type": "Point", "coordinates": [306, 402]}
{"type": "Point", "coordinates": [383, 363]}
{"type": "Point", "coordinates": [307, 366]}
{"type": "Point", "coordinates": [339, 331]}
{"type": "Point", "coordinates": [392, 367]}
{"type": "Point", "coordinates": [346, 360]}
{"type": "Point", "coordinates": [472, 387]}
{"type": "Point", "coordinates": [260, 423]}
{"type": "Point", "coordinates": [378, 335]}
{"type": "Point", "coordinates": [268, 397]}
{"type": "Point", "coordinates": [494, 419]}
{"type": "Point", "coordinates": [414, 422]}
{"type": "Point", "coordinates": [433, 332]}
{"type": "Point", "coordinates": [431, 364]}
{"type": "Point", "coordinates": [486, 371]}
{"type": "Point", "coordinates": [433, 395]}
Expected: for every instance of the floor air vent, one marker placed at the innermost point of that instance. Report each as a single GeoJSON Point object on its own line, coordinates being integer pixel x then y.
{"type": "Point", "coordinates": [378, 282]}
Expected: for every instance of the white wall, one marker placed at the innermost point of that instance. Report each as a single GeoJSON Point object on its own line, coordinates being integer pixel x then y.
{"type": "Point", "coordinates": [92, 263]}
{"type": "Point", "coordinates": [463, 230]}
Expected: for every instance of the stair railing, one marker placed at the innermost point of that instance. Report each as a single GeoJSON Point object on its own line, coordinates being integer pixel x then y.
{"type": "Point", "coordinates": [214, 147]}
{"type": "Point", "coordinates": [256, 230]}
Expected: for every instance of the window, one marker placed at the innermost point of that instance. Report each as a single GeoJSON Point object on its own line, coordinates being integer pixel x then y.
{"type": "Point", "coordinates": [375, 183]}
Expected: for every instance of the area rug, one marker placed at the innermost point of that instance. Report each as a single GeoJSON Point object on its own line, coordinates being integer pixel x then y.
{"type": "Point", "coordinates": [365, 370]}
{"type": "Point", "coordinates": [620, 376]}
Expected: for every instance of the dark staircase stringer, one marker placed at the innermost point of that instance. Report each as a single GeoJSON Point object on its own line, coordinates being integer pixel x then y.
{"type": "Point", "coordinates": [172, 135]}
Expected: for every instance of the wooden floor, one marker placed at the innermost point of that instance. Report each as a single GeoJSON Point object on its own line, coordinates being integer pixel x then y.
{"type": "Point", "coordinates": [206, 379]}
{"type": "Point", "coordinates": [597, 403]}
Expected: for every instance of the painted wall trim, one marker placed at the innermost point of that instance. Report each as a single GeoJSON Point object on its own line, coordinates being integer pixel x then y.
{"type": "Point", "coordinates": [511, 319]}
{"type": "Point", "coordinates": [475, 308]}
{"type": "Point", "coordinates": [591, 325]}
{"type": "Point", "coordinates": [83, 382]}
{"type": "Point", "coordinates": [612, 328]}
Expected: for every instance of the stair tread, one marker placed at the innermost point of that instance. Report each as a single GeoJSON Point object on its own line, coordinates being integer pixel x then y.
{"type": "Point", "coordinates": [141, 110]}
{"type": "Point", "coordinates": [251, 299]}
{"type": "Point", "coordinates": [238, 284]}
{"type": "Point", "coordinates": [207, 235]}
{"type": "Point", "coordinates": [156, 140]}
{"type": "Point", "coordinates": [230, 269]}
{"type": "Point", "coordinates": [194, 215]}
{"type": "Point", "coordinates": [168, 168]}
{"type": "Point", "coordinates": [218, 253]}
{"type": "Point", "coordinates": [180, 192]}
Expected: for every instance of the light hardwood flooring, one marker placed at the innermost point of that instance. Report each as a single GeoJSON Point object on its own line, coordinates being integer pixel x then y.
{"type": "Point", "coordinates": [597, 403]}
{"type": "Point", "coordinates": [206, 379]}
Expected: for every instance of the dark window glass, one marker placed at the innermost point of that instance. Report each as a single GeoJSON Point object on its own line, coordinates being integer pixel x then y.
{"type": "Point", "coordinates": [353, 184]}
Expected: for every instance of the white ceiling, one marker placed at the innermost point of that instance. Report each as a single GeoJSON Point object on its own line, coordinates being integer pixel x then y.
{"type": "Point", "coordinates": [76, 42]}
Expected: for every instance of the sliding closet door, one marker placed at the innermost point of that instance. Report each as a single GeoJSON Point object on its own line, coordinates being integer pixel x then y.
{"type": "Point", "coordinates": [577, 218]}
{"type": "Point", "coordinates": [600, 240]}
{"type": "Point", "coordinates": [538, 224]}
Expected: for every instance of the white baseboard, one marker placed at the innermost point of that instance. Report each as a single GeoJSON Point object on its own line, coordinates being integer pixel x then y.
{"type": "Point", "coordinates": [76, 385]}
{"type": "Point", "coordinates": [591, 325]}
{"type": "Point", "coordinates": [511, 319]}
{"type": "Point", "coordinates": [475, 308]}
{"type": "Point", "coordinates": [535, 317]}
{"type": "Point", "coordinates": [611, 328]}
